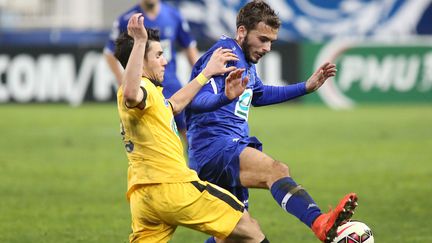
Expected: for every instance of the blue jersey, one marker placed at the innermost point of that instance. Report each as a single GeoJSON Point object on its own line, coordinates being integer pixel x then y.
{"type": "Point", "coordinates": [218, 130]}
{"type": "Point", "coordinates": [211, 115]}
{"type": "Point", "coordinates": [173, 29]}
{"type": "Point", "coordinates": [231, 118]}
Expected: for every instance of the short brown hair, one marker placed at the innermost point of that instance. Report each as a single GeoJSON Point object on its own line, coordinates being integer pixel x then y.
{"type": "Point", "coordinates": [125, 42]}
{"type": "Point", "coordinates": [257, 11]}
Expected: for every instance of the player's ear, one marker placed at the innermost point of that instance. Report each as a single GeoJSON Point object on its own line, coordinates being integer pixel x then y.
{"type": "Point", "coordinates": [241, 31]}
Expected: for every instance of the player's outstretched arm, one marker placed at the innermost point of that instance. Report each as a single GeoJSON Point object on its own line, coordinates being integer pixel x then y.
{"type": "Point", "coordinates": [277, 94]}
{"type": "Point", "coordinates": [133, 72]}
{"type": "Point", "coordinates": [318, 78]}
{"type": "Point", "coordinates": [215, 66]}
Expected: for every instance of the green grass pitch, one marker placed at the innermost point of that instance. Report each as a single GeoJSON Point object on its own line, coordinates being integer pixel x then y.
{"type": "Point", "coordinates": [63, 171]}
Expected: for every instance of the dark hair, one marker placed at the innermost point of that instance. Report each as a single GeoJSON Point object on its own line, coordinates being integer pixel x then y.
{"type": "Point", "coordinates": [257, 11]}
{"type": "Point", "coordinates": [124, 44]}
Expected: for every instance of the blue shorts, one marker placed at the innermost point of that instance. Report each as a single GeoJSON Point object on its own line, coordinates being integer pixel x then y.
{"type": "Point", "coordinates": [223, 167]}
{"type": "Point", "coordinates": [168, 90]}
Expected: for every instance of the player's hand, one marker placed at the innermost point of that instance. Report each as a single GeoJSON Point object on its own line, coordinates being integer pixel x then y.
{"type": "Point", "coordinates": [136, 28]}
{"type": "Point", "coordinates": [318, 78]}
{"type": "Point", "coordinates": [217, 62]}
{"type": "Point", "coordinates": [234, 84]}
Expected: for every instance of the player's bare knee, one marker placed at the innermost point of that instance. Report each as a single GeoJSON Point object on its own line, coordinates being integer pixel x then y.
{"type": "Point", "coordinates": [279, 170]}
{"type": "Point", "coordinates": [254, 230]}
{"type": "Point", "coordinates": [247, 229]}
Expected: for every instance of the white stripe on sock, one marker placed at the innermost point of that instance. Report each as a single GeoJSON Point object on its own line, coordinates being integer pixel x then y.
{"type": "Point", "coordinates": [285, 200]}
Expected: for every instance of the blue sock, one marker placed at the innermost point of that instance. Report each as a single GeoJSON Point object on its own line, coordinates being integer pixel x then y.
{"type": "Point", "coordinates": [210, 240]}
{"type": "Point", "coordinates": [295, 200]}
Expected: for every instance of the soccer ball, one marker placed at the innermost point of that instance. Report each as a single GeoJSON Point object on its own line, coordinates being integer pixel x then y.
{"type": "Point", "coordinates": [354, 232]}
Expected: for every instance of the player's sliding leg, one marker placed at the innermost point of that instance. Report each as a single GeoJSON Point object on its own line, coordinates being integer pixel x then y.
{"type": "Point", "coordinates": [205, 207]}
{"type": "Point", "coordinates": [258, 170]}
{"type": "Point", "coordinates": [246, 230]}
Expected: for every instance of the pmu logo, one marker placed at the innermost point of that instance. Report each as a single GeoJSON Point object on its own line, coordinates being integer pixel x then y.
{"type": "Point", "coordinates": [377, 71]}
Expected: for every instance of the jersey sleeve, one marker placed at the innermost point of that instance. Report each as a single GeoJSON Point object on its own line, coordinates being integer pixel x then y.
{"type": "Point", "coordinates": [147, 100]}
{"type": "Point", "coordinates": [269, 95]}
{"type": "Point", "coordinates": [212, 95]}
{"type": "Point", "coordinates": [210, 98]}
{"type": "Point", "coordinates": [148, 97]}
{"type": "Point", "coordinates": [258, 89]}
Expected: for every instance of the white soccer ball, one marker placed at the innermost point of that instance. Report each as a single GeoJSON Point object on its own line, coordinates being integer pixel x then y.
{"type": "Point", "coordinates": [354, 232]}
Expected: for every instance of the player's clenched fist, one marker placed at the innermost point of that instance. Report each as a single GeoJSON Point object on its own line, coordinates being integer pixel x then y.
{"type": "Point", "coordinates": [136, 28]}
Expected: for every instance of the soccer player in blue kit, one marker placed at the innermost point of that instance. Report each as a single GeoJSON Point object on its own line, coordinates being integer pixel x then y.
{"type": "Point", "coordinates": [173, 30]}
{"type": "Point", "coordinates": [220, 148]}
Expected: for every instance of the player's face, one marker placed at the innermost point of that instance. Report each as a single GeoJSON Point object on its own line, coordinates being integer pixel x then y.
{"type": "Point", "coordinates": [149, 3]}
{"type": "Point", "coordinates": [258, 42]}
{"type": "Point", "coordinates": [154, 62]}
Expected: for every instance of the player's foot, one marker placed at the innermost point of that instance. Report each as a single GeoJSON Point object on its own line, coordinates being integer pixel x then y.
{"type": "Point", "coordinates": [325, 226]}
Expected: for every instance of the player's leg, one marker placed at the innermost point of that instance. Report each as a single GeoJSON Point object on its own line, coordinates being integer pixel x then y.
{"type": "Point", "coordinates": [258, 170]}
{"type": "Point", "coordinates": [243, 232]}
{"type": "Point", "coordinates": [207, 208]}
{"type": "Point", "coordinates": [146, 225]}
{"type": "Point", "coordinates": [246, 230]}
{"type": "Point", "coordinates": [220, 165]}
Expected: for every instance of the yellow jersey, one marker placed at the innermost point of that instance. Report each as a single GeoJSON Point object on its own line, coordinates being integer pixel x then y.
{"type": "Point", "coordinates": [151, 140]}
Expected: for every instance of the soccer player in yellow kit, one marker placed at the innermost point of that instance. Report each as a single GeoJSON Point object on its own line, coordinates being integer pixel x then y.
{"type": "Point", "coordinates": [163, 192]}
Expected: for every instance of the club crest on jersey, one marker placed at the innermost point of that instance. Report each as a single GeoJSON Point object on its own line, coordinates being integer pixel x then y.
{"type": "Point", "coordinates": [243, 104]}
{"type": "Point", "coordinates": [174, 127]}
{"type": "Point", "coordinates": [129, 146]}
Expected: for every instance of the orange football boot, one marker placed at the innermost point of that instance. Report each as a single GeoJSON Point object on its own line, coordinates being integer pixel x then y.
{"type": "Point", "coordinates": [325, 226]}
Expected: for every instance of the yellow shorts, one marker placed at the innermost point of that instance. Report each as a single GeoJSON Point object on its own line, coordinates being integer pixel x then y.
{"type": "Point", "coordinates": [157, 210]}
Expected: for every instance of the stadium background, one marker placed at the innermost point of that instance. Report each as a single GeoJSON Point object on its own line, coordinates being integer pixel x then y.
{"type": "Point", "coordinates": [62, 168]}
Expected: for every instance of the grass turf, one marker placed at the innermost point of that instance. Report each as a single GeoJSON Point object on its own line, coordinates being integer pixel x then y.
{"type": "Point", "coordinates": [63, 170]}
